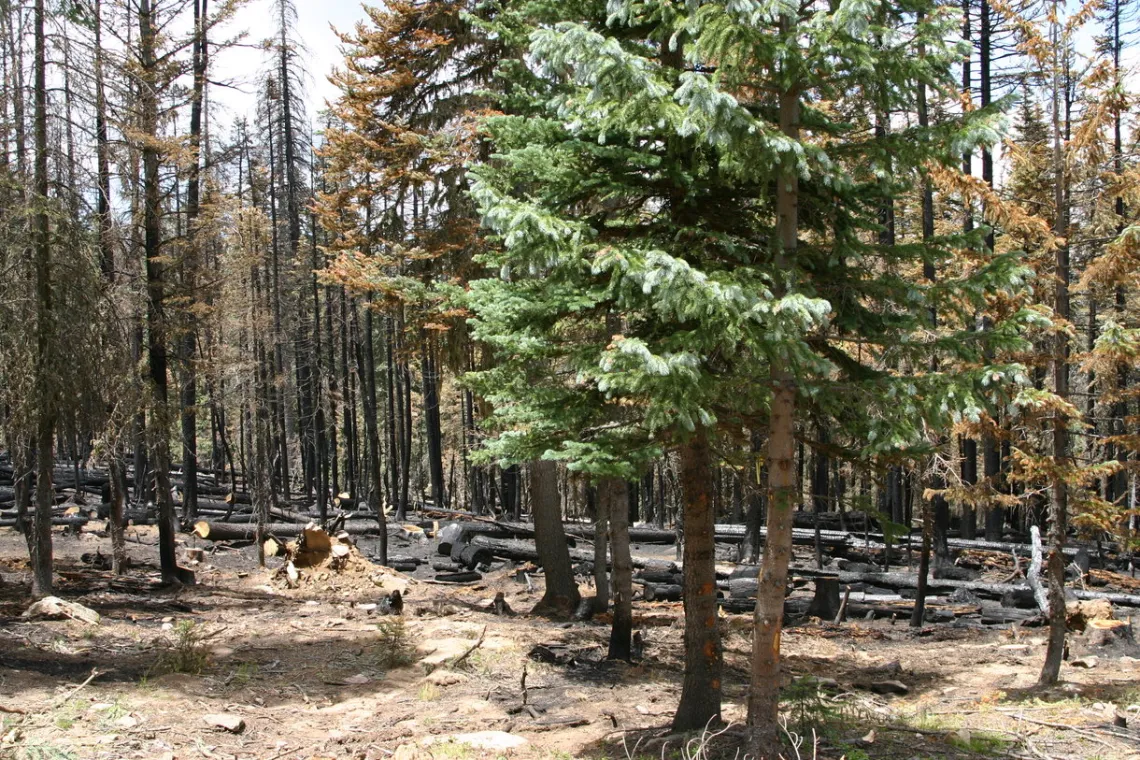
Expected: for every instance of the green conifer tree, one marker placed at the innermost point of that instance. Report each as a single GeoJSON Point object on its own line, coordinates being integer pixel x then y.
{"type": "Point", "coordinates": [689, 248]}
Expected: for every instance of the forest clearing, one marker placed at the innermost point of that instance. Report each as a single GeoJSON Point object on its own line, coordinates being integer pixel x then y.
{"type": "Point", "coordinates": [672, 379]}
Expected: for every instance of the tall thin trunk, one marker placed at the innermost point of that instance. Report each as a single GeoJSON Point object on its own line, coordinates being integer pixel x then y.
{"type": "Point", "coordinates": [366, 370]}
{"type": "Point", "coordinates": [390, 421]}
{"type": "Point", "coordinates": [321, 442]}
{"type": "Point", "coordinates": [291, 183]}
{"type": "Point", "coordinates": [333, 395]}
{"type": "Point", "coordinates": [72, 190]}
{"type": "Point", "coordinates": [117, 468]}
{"type": "Point", "coordinates": [764, 696]}
{"type": "Point", "coordinates": [350, 400]}
{"type": "Point", "coordinates": [406, 444]}
{"type": "Point", "coordinates": [929, 509]}
{"type": "Point", "coordinates": [969, 447]}
{"type": "Point", "coordinates": [279, 406]}
{"type": "Point", "coordinates": [1059, 503]}
{"type": "Point", "coordinates": [41, 548]}
{"type": "Point", "coordinates": [433, 431]}
{"type": "Point", "coordinates": [1120, 408]}
{"type": "Point", "coordinates": [991, 452]}
{"type": "Point", "coordinates": [156, 292]}
{"type": "Point", "coordinates": [189, 389]}
{"type": "Point", "coordinates": [820, 482]}
{"type": "Point", "coordinates": [19, 125]}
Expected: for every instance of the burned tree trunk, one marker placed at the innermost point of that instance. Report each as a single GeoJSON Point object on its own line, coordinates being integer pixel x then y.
{"type": "Point", "coordinates": [701, 690]}
{"type": "Point", "coordinates": [560, 598]}
{"type": "Point", "coordinates": [40, 539]}
{"type": "Point", "coordinates": [615, 492]}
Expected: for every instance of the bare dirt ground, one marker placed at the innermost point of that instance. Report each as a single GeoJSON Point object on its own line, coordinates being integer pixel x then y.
{"type": "Point", "coordinates": [314, 673]}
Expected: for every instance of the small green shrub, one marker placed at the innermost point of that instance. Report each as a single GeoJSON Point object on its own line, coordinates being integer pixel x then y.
{"type": "Point", "coordinates": [393, 648]}
{"type": "Point", "coordinates": [184, 650]}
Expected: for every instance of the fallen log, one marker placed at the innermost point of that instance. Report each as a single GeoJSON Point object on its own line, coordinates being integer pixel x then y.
{"type": "Point", "coordinates": [660, 577]}
{"type": "Point", "coordinates": [828, 539]}
{"type": "Point", "coordinates": [467, 577]}
{"type": "Point", "coordinates": [741, 587]}
{"type": "Point", "coordinates": [277, 512]}
{"type": "Point", "coordinates": [221, 531]}
{"type": "Point", "coordinates": [663, 592]}
{"type": "Point", "coordinates": [724, 533]}
{"type": "Point", "coordinates": [72, 521]}
{"type": "Point", "coordinates": [1001, 547]}
{"type": "Point", "coordinates": [524, 551]}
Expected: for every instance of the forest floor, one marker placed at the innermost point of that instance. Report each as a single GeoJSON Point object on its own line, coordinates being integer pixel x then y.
{"type": "Point", "coordinates": [312, 673]}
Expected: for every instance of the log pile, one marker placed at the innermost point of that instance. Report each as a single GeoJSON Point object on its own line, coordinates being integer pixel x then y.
{"type": "Point", "coordinates": [476, 544]}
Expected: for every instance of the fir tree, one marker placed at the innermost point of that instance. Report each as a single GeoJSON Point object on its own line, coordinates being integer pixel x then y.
{"type": "Point", "coordinates": [689, 248]}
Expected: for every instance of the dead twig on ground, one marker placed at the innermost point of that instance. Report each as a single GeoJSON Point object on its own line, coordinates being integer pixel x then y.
{"type": "Point", "coordinates": [76, 690]}
{"type": "Point", "coordinates": [1088, 733]}
{"type": "Point", "coordinates": [463, 657]}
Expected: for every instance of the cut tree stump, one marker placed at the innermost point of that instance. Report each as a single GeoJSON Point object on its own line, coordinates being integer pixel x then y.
{"type": "Point", "coordinates": [1101, 633]}
{"type": "Point", "coordinates": [825, 603]}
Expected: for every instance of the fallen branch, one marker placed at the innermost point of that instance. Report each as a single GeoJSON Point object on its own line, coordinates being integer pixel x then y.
{"type": "Point", "coordinates": [73, 692]}
{"type": "Point", "coordinates": [1087, 733]}
{"type": "Point", "coordinates": [463, 657]}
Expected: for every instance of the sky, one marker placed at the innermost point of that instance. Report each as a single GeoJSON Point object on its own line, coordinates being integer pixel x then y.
{"type": "Point", "coordinates": [247, 67]}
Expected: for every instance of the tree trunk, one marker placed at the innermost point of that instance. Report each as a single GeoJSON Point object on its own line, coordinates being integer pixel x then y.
{"type": "Point", "coordinates": [560, 598]}
{"type": "Point", "coordinates": [764, 693]}
{"type": "Point", "coordinates": [969, 447]}
{"type": "Point", "coordinates": [1058, 508]}
{"type": "Point", "coordinates": [615, 492]}
{"type": "Point", "coordinates": [41, 548]}
{"type": "Point", "coordinates": [349, 399]}
{"type": "Point", "coordinates": [509, 487]}
{"type": "Point", "coordinates": [119, 560]}
{"type": "Point", "coordinates": [188, 344]}
{"type": "Point", "coordinates": [366, 364]}
{"type": "Point", "coordinates": [936, 481]}
{"type": "Point", "coordinates": [820, 482]}
{"type": "Point", "coordinates": [701, 688]}
{"type": "Point", "coordinates": [601, 545]}
{"type": "Point", "coordinates": [156, 293]}
{"type": "Point", "coordinates": [390, 422]}
{"type": "Point", "coordinates": [433, 431]}
{"type": "Point", "coordinates": [405, 375]}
